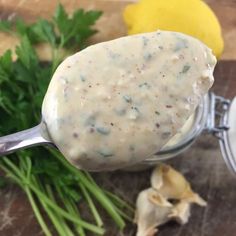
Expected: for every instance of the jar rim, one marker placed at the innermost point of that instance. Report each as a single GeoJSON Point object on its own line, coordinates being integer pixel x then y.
{"type": "Point", "coordinates": [197, 127]}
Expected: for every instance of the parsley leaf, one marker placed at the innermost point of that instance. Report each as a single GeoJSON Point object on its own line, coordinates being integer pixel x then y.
{"type": "Point", "coordinates": [5, 26]}
{"type": "Point", "coordinates": [5, 64]}
{"type": "Point", "coordinates": [26, 54]}
{"type": "Point", "coordinates": [75, 29]}
{"type": "Point", "coordinates": [44, 31]}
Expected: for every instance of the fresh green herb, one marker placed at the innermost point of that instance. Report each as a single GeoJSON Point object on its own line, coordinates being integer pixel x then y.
{"type": "Point", "coordinates": [82, 78]}
{"type": "Point", "coordinates": [136, 109]}
{"type": "Point", "coordinates": [5, 26]}
{"type": "Point", "coordinates": [105, 152]}
{"type": "Point", "coordinates": [51, 184]}
{"type": "Point", "coordinates": [103, 130]}
{"type": "Point", "coordinates": [181, 44]}
{"type": "Point", "coordinates": [63, 31]}
{"type": "Point", "coordinates": [145, 85]}
{"type": "Point", "coordinates": [3, 182]}
{"type": "Point", "coordinates": [127, 98]}
{"type": "Point", "coordinates": [185, 69]}
{"type": "Point", "coordinates": [76, 29]}
{"type": "Point", "coordinates": [145, 41]}
{"type": "Point", "coordinates": [147, 56]}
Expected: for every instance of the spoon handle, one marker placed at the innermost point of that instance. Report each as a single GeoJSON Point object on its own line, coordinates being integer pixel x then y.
{"type": "Point", "coordinates": [22, 139]}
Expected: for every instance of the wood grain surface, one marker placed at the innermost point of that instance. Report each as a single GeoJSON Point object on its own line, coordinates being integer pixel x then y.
{"type": "Point", "coordinates": [202, 164]}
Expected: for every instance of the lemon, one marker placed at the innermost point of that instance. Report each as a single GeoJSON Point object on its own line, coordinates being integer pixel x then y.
{"type": "Point", "coordinates": [192, 17]}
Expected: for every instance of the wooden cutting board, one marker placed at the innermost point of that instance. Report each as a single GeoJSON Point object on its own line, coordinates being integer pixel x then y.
{"type": "Point", "coordinates": [202, 164]}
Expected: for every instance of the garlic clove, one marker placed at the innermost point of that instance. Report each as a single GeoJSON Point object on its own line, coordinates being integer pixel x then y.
{"type": "Point", "coordinates": [192, 197]}
{"type": "Point", "coordinates": [180, 212]}
{"type": "Point", "coordinates": [170, 183]}
{"type": "Point", "coordinates": [151, 210]}
{"type": "Point", "coordinates": [157, 199]}
{"type": "Point", "coordinates": [153, 206]}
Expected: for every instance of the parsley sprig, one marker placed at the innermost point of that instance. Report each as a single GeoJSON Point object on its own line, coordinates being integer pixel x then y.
{"type": "Point", "coordinates": [49, 181]}
{"type": "Point", "coordinates": [62, 31]}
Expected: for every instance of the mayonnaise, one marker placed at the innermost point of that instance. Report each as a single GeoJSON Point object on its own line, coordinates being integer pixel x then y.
{"type": "Point", "coordinates": [118, 102]}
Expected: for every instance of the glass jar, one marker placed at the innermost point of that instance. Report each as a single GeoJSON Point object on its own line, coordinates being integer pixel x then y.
{"type": "Point", "coordinates": [215, 115]}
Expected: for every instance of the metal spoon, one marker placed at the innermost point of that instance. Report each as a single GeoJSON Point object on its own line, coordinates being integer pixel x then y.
{"type": "Point", "coordinates": [35, 136]}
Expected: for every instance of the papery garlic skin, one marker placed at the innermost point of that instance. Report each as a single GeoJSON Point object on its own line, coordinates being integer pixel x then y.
{"type": "Point", "coordinates": [154, 206]}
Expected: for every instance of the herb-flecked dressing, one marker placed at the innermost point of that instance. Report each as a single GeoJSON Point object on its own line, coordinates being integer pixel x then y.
{"type": "Point", "coordinates": [124, 99]}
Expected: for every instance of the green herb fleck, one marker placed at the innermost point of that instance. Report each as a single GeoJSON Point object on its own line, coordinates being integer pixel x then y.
{"type": "Point", "coordinates": [105, 152]}
{"type": "Point", "coordinates": [144, 85]}
{"type": "Point", "coordinates": [82, 78]}
{"type": "Point", "coordinates": [103, 130]}
{"type": "Point", "coordinates": [127, 98]}
{"type": "Point", "coordinates": [90, 120]}
{"type": "Point", "coordinates": [145, 41]}
{"type": "Point", "coordinates": [185, 69]}
{"type": "Point", "coordinates": [5, 26]}
{"type": "Point", "coordinates": [136, 109]}
{"type": "Point", "coordinates": [181, 44]}
{"type": "Point", "coordinates": [114, 55]}
{"type": "Point", "coordinates": [120, 112]}
{"type": "Point", "coordinates": [147, 56]}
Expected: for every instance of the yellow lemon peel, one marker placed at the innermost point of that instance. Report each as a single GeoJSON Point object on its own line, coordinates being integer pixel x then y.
{"type": "Point", "coordinates": [192, 17]}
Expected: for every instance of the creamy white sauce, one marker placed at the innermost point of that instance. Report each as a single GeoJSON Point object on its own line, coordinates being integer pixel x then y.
{"type": "Point", "coordinates": [188, 125]}
{"type": "Point", "coordinates": [116, 103]}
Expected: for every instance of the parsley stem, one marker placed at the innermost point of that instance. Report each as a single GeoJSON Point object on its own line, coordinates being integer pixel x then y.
{"type": "Point", "coordinates": [14, 168]}
{"type": "Point", "coordinates": [27, 165]}
{"type": "Point", "coordinates": [11, 175]}
{"type": "Point", "coordinates": [71, 209]}
{"type": "Point", "coordinates": [66, 215]}
{"type": "Point", "coordinates": [59, 222]}
{"type": "Point", "coordinates": [91, 205]}
{"type": "Point", "coordinates": [118, 201]}
{"type": "Point", "coordinates": [31, 200]}
{"type": "Point", "coordinates": [94, 189]}
{"type": "Point", "coordinates": [55, 59]}
{"type": "Point", "coordinates": [37, 212]}
{"type": "Point", "coordinates": [79, 229]}
{"type": "Point", "coordinates": [124, 215]}
{"type": "Point", "coordinates": [49, 202]}
{"type": "Point", "coordinates": [104, 201]}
